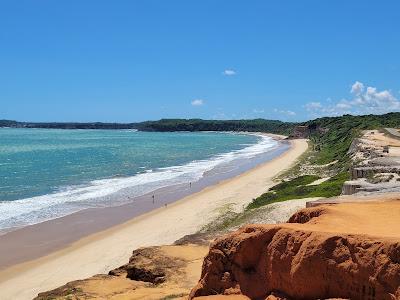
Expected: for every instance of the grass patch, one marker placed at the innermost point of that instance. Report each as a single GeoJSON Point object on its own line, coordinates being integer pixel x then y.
{"type": "Point", "coordinates": [232, 220]}
{"type": "Point", "coordinates": [302, 180]}
{"type": "Point", "coordinates": [223, 222]}
{"type": "Point", "coordinates": [297, 188]}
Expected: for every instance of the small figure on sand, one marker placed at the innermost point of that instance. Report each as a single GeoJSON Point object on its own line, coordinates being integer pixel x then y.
{"type": "Point", "coordinates": [153, 198]}
{"type": "Point", "coordinates": [190, 184]}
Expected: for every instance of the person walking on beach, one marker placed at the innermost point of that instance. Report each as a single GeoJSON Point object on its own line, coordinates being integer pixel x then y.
{"type": "Point", "coordinates": [153, 198]}
{"type": "Point", "coordinates": [190, 184]}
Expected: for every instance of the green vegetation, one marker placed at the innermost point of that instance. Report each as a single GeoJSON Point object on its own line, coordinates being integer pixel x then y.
{"type": "Point", "coordinates": [272, 126]}
{"type": "Point", "coordinates": [301, 180]}
{"type": "Point", "coordinates": [256, 125]}
{"type": "Point", "coordinates": [8, 123]}
{"type": "Point", "coordinates": [337, 133]}
{"type": "Point", "coordinates": [67, 125]}
{"type": "Point", "coordinates": [297, 188]}
{"type": "Point", "coordinates": [293, 189]}
{"type": "Point", "coordinates": [330, 136]}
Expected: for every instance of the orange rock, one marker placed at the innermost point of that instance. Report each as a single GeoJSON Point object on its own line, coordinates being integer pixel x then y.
{"type": "Point", "coordinates": [304, 261]}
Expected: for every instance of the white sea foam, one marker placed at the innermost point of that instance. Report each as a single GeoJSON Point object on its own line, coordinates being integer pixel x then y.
{"type": "Point", "coordinates": [102, 193]}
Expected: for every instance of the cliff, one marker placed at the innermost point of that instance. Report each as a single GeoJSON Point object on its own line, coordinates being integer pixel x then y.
{"type": "Point", "coordinates": [346, 251]}
{"type": "Point", "coordinates": [349, 251]}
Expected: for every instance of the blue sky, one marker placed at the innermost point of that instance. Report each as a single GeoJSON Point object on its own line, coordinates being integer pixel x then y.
{"type": "Point", "coordinates": [128, 61]}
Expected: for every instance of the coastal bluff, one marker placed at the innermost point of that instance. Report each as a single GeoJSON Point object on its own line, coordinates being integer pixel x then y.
{"type": "Point", "coordinates": [348, 251]}
{"type": "Point", "coordinates": [340, 251]}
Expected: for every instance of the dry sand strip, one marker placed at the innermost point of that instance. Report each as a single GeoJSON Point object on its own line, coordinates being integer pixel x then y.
{"type": "Point", "coordinates": [111, 248]}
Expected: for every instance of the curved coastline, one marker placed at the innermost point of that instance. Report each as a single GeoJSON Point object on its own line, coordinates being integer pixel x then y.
{"type": "Point", "coordinates": [111, 247]}
{"type": "Point", "coordinates": [119, 190]}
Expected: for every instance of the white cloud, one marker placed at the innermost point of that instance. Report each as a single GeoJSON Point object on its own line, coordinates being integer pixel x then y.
{"type": "Point", "coordinates": [229, 72]}
{"type": "Point", "coordinates": [258, 111]}
{"type": "Point", "coordinates": [197, 102]}
{"type": "Point", "coordinates": [364, 100]}
{"type": "Point", "coordinates": [343, 105]}
{"type": "Point", "coordinates": [357, 88]}
{"type": "Point", "coordinates": [285, 112]}
{"type": "Point", "coordinates": [290, 113]}
{"type": "Point", "coordinates": [313, 106]}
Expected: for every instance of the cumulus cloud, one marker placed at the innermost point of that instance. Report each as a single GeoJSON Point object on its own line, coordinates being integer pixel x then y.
{"type": "Point", "coordinates": [258, 111]}
{"type": "Point", "coordinates": [364, 100]}
{"type": "Point", "coordinates": [229, 72]}
{"type": "Point", "coordinates": [197, 102]}
{"type": "Point", "coordinates": [357, 88]}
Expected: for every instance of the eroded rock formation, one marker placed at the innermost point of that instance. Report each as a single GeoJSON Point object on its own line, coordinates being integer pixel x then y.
{"type": "Point", "coordinates": [375, 164]}
{"type": "Point", "coordinates": [311, 260]}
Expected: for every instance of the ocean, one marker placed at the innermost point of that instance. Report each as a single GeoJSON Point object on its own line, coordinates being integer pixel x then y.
{"type": "Point", "coordinates": [50, 173]}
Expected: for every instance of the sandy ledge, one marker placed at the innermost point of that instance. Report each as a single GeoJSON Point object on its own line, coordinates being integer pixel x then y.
{"type": "Point", "coordinates": [111, 248]}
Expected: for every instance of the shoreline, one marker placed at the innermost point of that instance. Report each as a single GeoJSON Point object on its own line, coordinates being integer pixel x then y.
{"type": "Point", "coordinates": [111, 248]}
{"type": "Point", "coordinates": [127, 194]}
{"type": "Point", "coordinates": [37, 240]}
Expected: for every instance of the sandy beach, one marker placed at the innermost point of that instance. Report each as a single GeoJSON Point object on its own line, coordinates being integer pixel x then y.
{"type": "Point", "coordinates": [111, 248]}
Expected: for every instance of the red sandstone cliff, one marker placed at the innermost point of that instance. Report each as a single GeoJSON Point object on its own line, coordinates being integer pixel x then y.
{"type": "Point", "coordinates": [347, 251]}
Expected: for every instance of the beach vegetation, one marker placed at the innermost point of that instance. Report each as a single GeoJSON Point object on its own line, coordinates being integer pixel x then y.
{"type": "Point", "coordinates": [299, 188]}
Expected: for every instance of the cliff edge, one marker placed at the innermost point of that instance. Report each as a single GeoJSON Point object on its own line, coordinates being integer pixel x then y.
{"type": "Point", "coordinates": [349, 251]}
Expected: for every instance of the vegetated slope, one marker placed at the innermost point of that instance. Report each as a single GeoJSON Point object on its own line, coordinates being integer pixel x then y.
{"type": "Point", "coordinates": [331, 138]}
{"type": "Point", "coordinates": [299, 187]}
{"type": "Point", "coordinates": [272, 126]}
{"type": "Point", "coordinates": [334, 142]}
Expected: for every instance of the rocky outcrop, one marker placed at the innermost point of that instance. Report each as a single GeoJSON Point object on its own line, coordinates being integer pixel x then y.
{"type": "Point", "coordinates": [152, 273]}
{"type": "Point", "coordinates": [341, 251]}
{"type": "Point", "coordinates": [375, 164]}
{"type": "Point", "coordinates": [304, 131]}
{"type": "Point", "coordinates": [310, 260]}
{"type": "Point", "coordinates": [300, 132]}
{"type": "Point", "coordinates": [370, 171]}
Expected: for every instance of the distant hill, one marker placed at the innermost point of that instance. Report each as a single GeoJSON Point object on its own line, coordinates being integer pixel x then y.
{"type": "Point", "coordinates": [260, 125]}
{"type": "Point", "coordinates": [273, 126]}
{"type": "Point", "coordinates": [331, 136]}
{"type": "Point", "coordinates": [67, 125]}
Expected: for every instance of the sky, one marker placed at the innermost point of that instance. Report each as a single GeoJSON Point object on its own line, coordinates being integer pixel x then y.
{"type": "Point", "coordinates": [128, 61]}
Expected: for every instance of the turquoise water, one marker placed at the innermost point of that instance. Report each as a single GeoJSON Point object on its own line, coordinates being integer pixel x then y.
{"type": "Point", "coordinates": [47, 173]}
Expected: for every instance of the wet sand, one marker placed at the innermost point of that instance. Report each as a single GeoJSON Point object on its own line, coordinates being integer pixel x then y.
{"type": "Point", "coordinates": [99, 252]}
{"type": "Point", "coordinates": [41, 239]}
